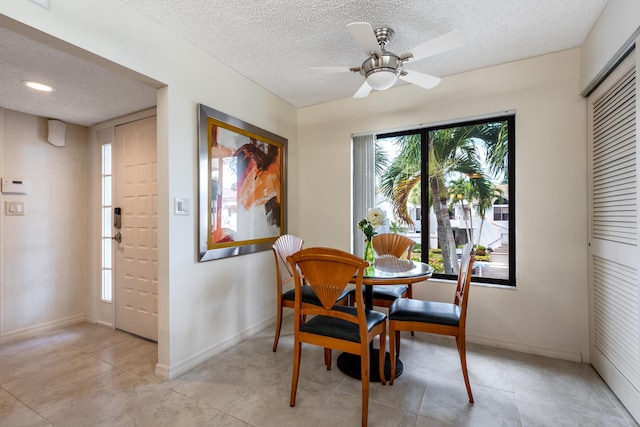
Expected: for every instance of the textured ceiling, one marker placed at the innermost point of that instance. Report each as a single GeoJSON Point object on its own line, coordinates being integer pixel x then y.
{"type": "Point", "coordinates": [85, 93]}
{"type": "Point", "coordinates": [274, 42]}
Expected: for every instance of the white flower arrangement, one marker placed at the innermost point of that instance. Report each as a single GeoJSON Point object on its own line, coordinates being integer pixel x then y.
{"type": "Point", "coordinates": [375, 217]}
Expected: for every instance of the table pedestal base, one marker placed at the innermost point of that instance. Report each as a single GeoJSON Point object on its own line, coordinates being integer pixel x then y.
{"type": "Point", "coordinates": [350, 365]}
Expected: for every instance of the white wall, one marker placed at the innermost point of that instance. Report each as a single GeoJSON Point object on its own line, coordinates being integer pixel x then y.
{"type": "Point", "coordinates": [43, 254]}
{"type": "Point", "coordinates": [203, 307]}
{"type": "Point", "coordinates": [547, 312]}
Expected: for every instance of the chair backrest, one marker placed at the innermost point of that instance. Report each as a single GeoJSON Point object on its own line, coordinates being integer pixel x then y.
{"type": "Point", "coordinates": [285, 245]}
{"type": "Point", "coordinates": [328, 271]}
{"type": "Point", "coordinates": [464, 280]}
{"type": "Point", "coordinates": [392, 244]}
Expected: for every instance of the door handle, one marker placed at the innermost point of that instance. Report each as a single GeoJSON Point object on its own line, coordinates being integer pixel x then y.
{"type": "Point", "coordinates": [117, 237]}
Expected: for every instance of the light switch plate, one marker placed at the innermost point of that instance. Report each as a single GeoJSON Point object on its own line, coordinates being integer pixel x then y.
{"type": "Point", "coordinates": [14, 208]}
{"type": "Point", "coordinates": [181, 206]}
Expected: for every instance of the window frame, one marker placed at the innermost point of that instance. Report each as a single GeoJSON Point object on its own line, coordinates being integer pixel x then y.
{"type": "Point", "coordinates": [502, 213]}
{"type": "Point", "coordinates": [423, 131]}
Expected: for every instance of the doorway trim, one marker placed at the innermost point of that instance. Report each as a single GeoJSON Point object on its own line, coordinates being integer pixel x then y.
{"type": "Point", "coordinates": [99, 311]}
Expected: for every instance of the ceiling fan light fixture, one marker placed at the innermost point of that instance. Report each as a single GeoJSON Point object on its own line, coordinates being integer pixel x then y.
{"type": "Point", "coordinates": [382, 79]}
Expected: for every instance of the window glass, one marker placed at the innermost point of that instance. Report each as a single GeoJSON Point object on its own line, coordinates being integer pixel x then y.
{"type": "Point", "coordinates": [106, 285]}
{"type": "Point", "coordinates": [106, 223]}
{"type": "Point", "coordinates": [445, 186]}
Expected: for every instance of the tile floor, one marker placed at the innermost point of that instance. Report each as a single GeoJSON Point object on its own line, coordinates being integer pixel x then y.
{"type": "Point", "coordinates": [89, 375]}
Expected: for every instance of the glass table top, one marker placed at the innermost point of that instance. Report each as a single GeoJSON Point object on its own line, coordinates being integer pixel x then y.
{"type": "Point", "coordinates": [394, 268]}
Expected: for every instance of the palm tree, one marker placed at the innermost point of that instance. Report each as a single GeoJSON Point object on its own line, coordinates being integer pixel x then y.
{"type": "Point", "coordinates": [460, 190]}
{"type": "Point", "coordinates": [449, 150]}
{"type": "Point", "coordinates": [485, 201]}
{"type": "Point", "coordinates": [481, 192]}
{"type": "Point", "coordinates": [396, 228]}
{"type": "Point", "coordinates": [401, 176]}
{"type": "Point", "coordinates": [381, 159]}
{"type": "Point", "coordinates": [495, 137]}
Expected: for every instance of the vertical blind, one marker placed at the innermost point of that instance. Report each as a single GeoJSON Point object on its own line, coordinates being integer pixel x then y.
{"type": "Point", "coordinates": [364, 190]}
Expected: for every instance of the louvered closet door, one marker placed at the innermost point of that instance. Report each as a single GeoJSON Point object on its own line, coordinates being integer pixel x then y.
{"type": "Point", "coordinates": [614, 255]}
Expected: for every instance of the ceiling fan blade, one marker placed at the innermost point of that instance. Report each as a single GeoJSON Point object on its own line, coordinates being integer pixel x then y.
{"type": "Point", "coordinates": [363, 34]}
{"type": "Point", "coordinates": [363, 91]}
{"type": "Point", "coordinates": [420, 79]}
{"type": "Point", "coordinates": [448, 41]}
{"type": "Point", "coordinates": [334, 69]}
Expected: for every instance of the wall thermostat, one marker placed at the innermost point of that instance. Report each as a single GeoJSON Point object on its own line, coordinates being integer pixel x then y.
{"type": "Point", "coordinates": [14, 186]}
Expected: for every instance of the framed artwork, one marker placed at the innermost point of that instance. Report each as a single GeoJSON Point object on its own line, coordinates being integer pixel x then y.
{"type": "Point", "coordinates": [241, 185]}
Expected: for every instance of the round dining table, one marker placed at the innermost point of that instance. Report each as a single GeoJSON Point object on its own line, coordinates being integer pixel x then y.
{"type": "Point", "coordinates": [384, 271]}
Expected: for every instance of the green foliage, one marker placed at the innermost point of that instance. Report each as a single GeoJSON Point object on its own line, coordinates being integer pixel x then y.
{"type": "Point", "coordinates": [435, 260]}
{"type": "Point", "coordinates": [396, 228]}
{"type": "Point", "coordinates": [480, 251]}
{"type": "Point", "coordinates": [402, 175]}
{"type": "Point", "coordinates": [367, 228]}
{"type": "Point", "coordinates": [381, 159]}
{"type": "Point", "coordinates": [416, 253]}
{"type": "Point", "coordinates": [415, 197]}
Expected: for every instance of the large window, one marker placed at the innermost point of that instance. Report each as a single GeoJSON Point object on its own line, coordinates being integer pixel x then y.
{"type": "Point", "coordinates": [444, 186]}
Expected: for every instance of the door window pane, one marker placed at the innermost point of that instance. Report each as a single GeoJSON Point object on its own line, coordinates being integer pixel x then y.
{"type": "Point", "coordinates": [106, 223]}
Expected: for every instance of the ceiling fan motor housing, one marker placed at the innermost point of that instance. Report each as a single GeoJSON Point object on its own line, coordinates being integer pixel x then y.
{"type": "Point", "coordinates": [387, 62]}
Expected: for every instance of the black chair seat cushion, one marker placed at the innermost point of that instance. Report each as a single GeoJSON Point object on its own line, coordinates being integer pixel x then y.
{"type": "Point", "coordinates": [341, 329]}
{"type": "Point", "coordinates": [413, 310]}
{"type": "Point", "coordinates": [388, 293]}
{"type": "Point", "coordinates": [308, 295]}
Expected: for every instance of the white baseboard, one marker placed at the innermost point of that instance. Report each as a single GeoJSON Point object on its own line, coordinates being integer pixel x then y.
{"type": "Point", "coordinates": [626, 392]}
{"type": "Point", "coordinates": [162, 371]}
{"type": "Point", "coordinates": [101, 323]}
{"type": "Point", "coordinates": [557, 353]}
{"type": "Point", "coordinates": [171, 372]}
{"type": "Point", "coordinates": [43, 327]}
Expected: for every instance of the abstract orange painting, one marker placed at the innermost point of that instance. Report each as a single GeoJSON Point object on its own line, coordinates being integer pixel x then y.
{"type": "Point", "coordinates": [241, 172]}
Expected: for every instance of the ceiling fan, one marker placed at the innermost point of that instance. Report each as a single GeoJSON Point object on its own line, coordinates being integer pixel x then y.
{"type": "Point", "coordinates": [383, 68]}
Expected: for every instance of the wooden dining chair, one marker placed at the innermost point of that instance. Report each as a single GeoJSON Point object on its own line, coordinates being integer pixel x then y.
{"type": "Point", "coordinates": [389, 245]}
{"type": "Point", "coordinates": [286, 245]}
{"type": "Point", "coordinates": [435, 317]}
{"type": "Point", "coordinates": [344, 328]}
